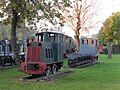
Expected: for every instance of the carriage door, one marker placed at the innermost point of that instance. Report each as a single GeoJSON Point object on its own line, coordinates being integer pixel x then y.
{"type": "Point", "coordinates": [55, 51]}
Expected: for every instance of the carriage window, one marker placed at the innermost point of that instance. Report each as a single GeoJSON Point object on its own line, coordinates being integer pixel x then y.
{"type": "Point", "coordinates": [0, 48]}
{"type": "Point", "coordinates": [52, 37]}
{"type": "Point", "coordinates": [10, 48]}
{"type": "Point", "coordinates": [3, 48]}
{"type": "Point", "coordinates": [22, 48]}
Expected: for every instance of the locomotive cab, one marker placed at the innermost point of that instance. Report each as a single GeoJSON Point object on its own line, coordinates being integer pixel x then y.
{"type": "Point", "coordinates": [45, 55]}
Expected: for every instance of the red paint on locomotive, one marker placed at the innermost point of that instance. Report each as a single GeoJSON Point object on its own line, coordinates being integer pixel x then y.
{"type": "Point", "coordinates": [38, 67]}
{"type": "Point", "coordinates": [34, 54]}
{"type": "Point", "coordinates": [34, 64]}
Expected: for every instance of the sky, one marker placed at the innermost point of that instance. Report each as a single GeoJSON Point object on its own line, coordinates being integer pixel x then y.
{"type": "Point", "coordinates": [107, 7]}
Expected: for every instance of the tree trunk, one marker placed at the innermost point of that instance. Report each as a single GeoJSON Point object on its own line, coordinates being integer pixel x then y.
{"type": "Point", "coordinates": [78, 27]}
{"type": "Point", "coordinates": [14, 38]}
{"type": "Point", "coordinates": [109, 49]}
{"type": "Point", "coordinates": [77, 40]}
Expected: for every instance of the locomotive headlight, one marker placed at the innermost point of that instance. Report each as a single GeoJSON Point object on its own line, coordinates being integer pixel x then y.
{"type": "Point", "coordinates": [32, 66]}
{"type": "Point", "coordinates": [37, 66]}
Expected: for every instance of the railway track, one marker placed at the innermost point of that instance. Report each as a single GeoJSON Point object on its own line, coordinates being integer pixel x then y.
{"type": "Point", "coordinates": [7, 66]}
{"type": "Point", "coordinates": [52, 77]}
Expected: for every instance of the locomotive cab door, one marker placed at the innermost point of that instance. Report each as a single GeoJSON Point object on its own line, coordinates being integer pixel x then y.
{"type": "Point", "coordinates": [55, 52]}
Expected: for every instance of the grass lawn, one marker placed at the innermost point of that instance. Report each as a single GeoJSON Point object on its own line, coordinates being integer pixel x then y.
{"type": "Point", "coordinates": [105, 76]}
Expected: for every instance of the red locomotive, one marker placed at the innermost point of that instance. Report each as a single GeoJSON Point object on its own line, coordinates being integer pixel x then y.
{"type": "Point", "coordinates": [45, 55]}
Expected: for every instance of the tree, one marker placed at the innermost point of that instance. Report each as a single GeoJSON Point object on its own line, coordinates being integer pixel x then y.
{"type": "Point", "coordinates": [110, 32]}
{"type": "Point", "coordinates": [23, 32]}
{"type": "Point", "coordinates": [15, 12]}
{"type": "Point", "coordinates": [4, 32]}
{"type": "Point", "coordinates": [79, 16]}
{"type": "Point", "coordinates": [30, 11]}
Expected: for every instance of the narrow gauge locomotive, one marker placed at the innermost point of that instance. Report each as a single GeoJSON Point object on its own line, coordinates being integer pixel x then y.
{"type": "Point", "coordinates": [45, 55]}
{"type": "Point", "coordinates": [87, 54]}
{"type": "Point", "coordinates": [6, 52]}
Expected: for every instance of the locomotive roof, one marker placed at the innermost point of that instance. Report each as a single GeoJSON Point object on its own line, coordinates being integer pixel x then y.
{"type": "Point", "coordinates": [40, 33]}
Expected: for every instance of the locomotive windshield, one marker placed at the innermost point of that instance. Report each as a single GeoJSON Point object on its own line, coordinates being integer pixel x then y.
{"type": "Point", "coordinates": [40, 37]}
{"type": "Point", "coordinates": [49, 37]}
{"type": "Point", "coordinates": [52, 37]}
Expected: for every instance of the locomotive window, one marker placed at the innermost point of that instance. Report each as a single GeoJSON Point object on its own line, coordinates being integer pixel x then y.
{"type": "Point", "coordinates": [66, 39]}
{"type": "Point", "coordinates": [86, 41]}
{"type": "Point", "coordinates": [51, 53]}
{"type": "Point", "coordinates": [52, 37]}
{"type": "Point", "coordinates": [41, 37]}
{"type": "Point", "coordinates": [92, 41]}
{"type": "Point", "coordinates": [46, 52]}
{"type": "Point", "coordinates": [59, 38]}
{"type": "Point", "coordinates": [96, 42]}
{"type": "Point", "coordinates": [82, 41]}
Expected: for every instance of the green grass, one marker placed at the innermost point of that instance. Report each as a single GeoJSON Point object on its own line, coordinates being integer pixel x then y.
{"type": "Point", "coordinates": [104, 76]}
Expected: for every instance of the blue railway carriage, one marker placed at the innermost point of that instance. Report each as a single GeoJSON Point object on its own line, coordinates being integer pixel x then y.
{"type": "Point", "coordinates": [87, 54]}
{"type": "Point", "coordinates": [6, 52]}
{"type": "Point", "coordinates": [44, 56]}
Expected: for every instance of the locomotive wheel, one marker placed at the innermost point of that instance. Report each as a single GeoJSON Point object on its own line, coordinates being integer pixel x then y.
{"type": "Point", "coordinates": [54, 69]}
{"type": "Point", "coordinates": [48, 71]}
